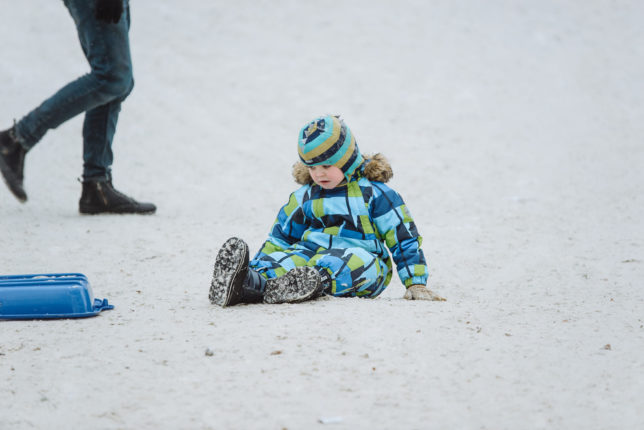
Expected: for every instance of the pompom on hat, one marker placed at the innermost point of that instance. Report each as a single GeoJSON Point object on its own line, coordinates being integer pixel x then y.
{"type": "Point", "coordinates": [328, 141]}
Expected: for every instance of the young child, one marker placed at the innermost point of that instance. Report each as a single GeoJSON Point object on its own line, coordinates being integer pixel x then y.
{"type": "Point", "coordinates": [330, 237]}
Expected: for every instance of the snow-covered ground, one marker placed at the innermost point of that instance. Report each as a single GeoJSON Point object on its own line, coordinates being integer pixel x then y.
{"type": "Point", "coordinates": [516, 134]}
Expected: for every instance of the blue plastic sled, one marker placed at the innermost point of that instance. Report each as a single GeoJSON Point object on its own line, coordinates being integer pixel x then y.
{"type": "Point", "coordinates": [53, 295]}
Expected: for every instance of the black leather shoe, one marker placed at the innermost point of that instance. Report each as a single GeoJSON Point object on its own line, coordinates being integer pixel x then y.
{"type": "Point", "coordinates": [12, 163]}
{"type": "Point", "coordinates": [99, 196]}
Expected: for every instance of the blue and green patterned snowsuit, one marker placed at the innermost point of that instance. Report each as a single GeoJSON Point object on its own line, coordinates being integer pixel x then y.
{"type": "Point", "coordinates": [344, 231]}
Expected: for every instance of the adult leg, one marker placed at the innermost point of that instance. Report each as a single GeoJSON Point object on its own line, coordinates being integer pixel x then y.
{"type": "Point", "coordinates": [106, 47]}
{"type": "Point", "coordinates": [100, 93]}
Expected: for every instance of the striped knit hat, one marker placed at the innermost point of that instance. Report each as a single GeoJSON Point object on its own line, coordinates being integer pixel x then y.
{"type": "Point", "coordinates": [327, 140]}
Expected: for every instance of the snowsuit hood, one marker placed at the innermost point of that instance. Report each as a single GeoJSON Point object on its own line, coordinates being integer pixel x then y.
{"type": "Point", "coordinates": [375, 168]}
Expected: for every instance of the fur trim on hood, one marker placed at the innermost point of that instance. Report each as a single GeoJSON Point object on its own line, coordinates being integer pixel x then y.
{"type": "Point", "coordinates": [375, 168]}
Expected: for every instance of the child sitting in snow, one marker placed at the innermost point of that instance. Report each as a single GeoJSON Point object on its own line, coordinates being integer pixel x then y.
{"type": "Point", "coordinates": [329, 238]}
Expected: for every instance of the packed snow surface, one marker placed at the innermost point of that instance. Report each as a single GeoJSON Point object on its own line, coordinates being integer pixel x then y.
{"type": "Point", "coordinates": [515, 131]}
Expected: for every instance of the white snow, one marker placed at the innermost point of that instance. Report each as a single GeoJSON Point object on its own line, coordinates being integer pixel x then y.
{"type": "Point", "coordinates": [516, 137]}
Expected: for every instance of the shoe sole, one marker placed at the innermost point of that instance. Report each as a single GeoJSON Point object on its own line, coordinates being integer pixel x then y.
{"type": "Point", "coordinates": [232, 259]}
{"type": "Point", "coordinates": [10, 179]}
{"type": "Point", "coordinates": [93, 211]}
{"type": "Point", "coordinates": [298, 285]}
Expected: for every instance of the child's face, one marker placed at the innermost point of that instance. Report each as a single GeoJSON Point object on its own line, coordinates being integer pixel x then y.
{"type": "Point", "coordinates": [327, 177]}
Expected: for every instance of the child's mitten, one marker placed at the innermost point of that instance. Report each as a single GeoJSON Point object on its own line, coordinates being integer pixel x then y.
{"type": "Point", "coordinates": [109, 10]}
{"type": "Point", "coordinates": [420, 292]}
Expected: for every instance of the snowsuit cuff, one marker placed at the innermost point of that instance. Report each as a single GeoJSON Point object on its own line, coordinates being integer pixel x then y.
{"type": "Point", "coordinates": [416, 280]}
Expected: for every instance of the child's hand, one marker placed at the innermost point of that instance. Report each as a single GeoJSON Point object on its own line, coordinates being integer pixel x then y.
{"type": "Point", "coordinates": [420, 292]}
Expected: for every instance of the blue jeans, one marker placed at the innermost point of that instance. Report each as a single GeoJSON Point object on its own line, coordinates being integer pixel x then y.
{"type": "Point", "coordinates": [99, 93]}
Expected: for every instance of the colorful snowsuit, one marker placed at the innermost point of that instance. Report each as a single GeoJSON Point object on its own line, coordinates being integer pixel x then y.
{"type": "Point", "coordinates": [344, 231]}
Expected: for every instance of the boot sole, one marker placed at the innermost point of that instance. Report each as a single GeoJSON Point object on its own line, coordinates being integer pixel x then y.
{"type": "Point", "coordinates": [12, 182]}
{"type": "Point", "coordinates": [298, 285]}
{"type": "Point", "coordinates": [231, 261]}
{"type": "Point", "coordinates": [85, 210]}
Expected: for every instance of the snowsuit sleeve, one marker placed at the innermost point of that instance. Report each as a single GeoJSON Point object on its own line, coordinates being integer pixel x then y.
{"type": "Point", "coordinates": [289, 226]}
{"type": "Point", "coordinates": [396, 226]}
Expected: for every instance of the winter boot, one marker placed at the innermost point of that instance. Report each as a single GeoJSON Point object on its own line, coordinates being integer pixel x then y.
{"type": "Point", "coordinates": [254, 286]}
{"type": "Point", "coordinates": [99, 196]}
{"type": "Point", "coordinates": [12, 162]}
{"type": "Point", "coordinates": [231, 269]}
{"type": "Point", "coordinates": [298, 285]}
{"type": "Point", "coordinates": [232, 281]}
